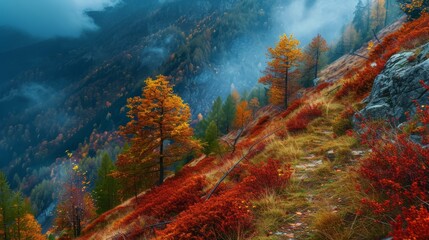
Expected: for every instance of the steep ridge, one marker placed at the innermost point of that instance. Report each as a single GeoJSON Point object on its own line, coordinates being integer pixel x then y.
{"type": "Point", "coordinates": [292, 174]}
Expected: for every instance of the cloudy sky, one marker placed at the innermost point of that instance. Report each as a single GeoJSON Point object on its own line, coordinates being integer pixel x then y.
{"type": "Point", "coordinates": [51, 18]}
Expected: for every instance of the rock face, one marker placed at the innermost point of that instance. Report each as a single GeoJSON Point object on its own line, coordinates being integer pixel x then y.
{"type": "Point", "coordinates": [397, 88]}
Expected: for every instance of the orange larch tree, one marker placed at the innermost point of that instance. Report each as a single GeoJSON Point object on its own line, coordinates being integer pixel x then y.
{"type": "Point", "coordinates": [31, 229]}
{"type": "Point", "coordinates": [314, 53]}
{"type": "Point", "coordinates": [254, 105]}
{"type": "Point", "coordinates": [159, 128]}
{"type": "Point", "coordinates": [243, 115]}
{"type": "Point", "coordinates": [284, 58]}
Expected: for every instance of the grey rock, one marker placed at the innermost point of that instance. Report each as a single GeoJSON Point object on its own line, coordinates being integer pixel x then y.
{"type": "Point", "coordinates": [316, 81]}
{"type": "Point", "coordinates": [330, 155]}
{"type": "Point", "coordinates": [397, 89]}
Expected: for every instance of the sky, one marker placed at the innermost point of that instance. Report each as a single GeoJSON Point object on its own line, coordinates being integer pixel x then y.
{"type": "Point", "coordinates": [51, 18]}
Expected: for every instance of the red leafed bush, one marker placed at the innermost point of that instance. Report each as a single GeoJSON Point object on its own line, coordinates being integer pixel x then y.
{"type": "Point", "coordinates": [412, 224]}
{"type": "Point", "coordinates": [322, 86]}
{"type": "Point", "coordinates": [398, 170]}
{"type": "Point", "coordinates": [103, 219]}
{"type": "Point", "coordinates": [168, 200]}
{"type": "Point", "coordinates": [301, 120]}
{"type": "Point", "coordinates": [292, 107]}
{"type": "Point", "coordinates": [256, 150]}
{"type": "Point", "coordinates": [229, 214]}
{"type": "Point", "coordinates": [218, 218]}
{"type": "Point", "coordinates": [397, 173]}
{"type": "Point", "coordinates": [260, 125]}
{"type": "Point", "coordinates": [411, 35]}
{"type": "Point", "coordinates": [270, 176]}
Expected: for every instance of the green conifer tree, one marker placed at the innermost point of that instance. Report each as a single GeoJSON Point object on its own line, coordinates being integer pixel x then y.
{"type": "Point", "coordinates": [211, 138]}
{"type": "Point", "coordinates": [6, 218]}
{"type": "Point", "coordinates": [229, 110]}
{"type": "Point", "coordinates": [106, 188]}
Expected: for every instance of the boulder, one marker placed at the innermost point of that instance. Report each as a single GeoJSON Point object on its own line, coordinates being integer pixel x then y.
{"type": "Point", "coordinates": [397, 89]}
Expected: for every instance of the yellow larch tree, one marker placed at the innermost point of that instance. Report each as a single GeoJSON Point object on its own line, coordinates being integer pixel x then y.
{"type": "Point", "coordinates": [284, 57]}
{"type": "Point", "coordinates": [159, 128]}
{"type": "Point", "coordinates": [31, 229]}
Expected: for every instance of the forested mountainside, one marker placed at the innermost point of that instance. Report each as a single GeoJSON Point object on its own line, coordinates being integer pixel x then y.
{"type": "Point", "coordinates": [195, 120]}
{"type": "Point", "coordinates": [62, 89]}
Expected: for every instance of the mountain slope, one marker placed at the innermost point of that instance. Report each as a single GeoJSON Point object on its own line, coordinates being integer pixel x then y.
{"type": "Point", "coordinates": [50, 96]}
{"type": "Point", "coordinates": [292, 174]}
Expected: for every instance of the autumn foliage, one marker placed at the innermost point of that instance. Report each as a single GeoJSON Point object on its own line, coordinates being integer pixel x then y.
{"type": "Point", "coordinates": [243, 114]}
{"type": "Point", "coordinates": [396, 179]}
{"type": "Point", "coordinates": [260, 125]}
{"type": "Point", "coordinates": [284, 57]}
{"type": "Point", "coordinates": [292, 107]}
{"type": "Point", "coordinates": [413, 223]}
{"type": "Point", "coordinates": [301, 120]}
{"type": "Point", "coordinates": [167, 201]}
{"type": "Point", "coordinates": [313, 59]}
{"type": "Point", "coordinates": [158, 117]}
{"type": "Point", "coordinates": [414, 8]}
{"type": "Point", "coordinates": [411, 35]}
{"type": "Point", "coordinates": [229, 214]}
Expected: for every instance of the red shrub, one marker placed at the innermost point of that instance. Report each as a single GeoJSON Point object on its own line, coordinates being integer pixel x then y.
{"type": "Point", "coordinates": [260, 125]}
{"type": "Point", "coordinates": [322, 86]}
{"type": "Point", "coordinates": [257, 149]}
{"type": "Point", "coordinates": [399, 171]}
{"type": "Point", "coordinates": [103, 219]}
{"type": "Point", "coordinates": [218, 218]}
{"type": "Point", "coordinates": [271, 176]}
{"type": "Point", "coordinates": [168, 200]}
{"type": "Point", "coordinates": [301, 120]}
{"type": "Point", "coordinates": [292, 107]}
{"type": "Point", "coordinates": [282, 134]}
{"type": "Point", "coordinates": [412, 224]}
{"type": "Point", "coordinates": [228, 214]}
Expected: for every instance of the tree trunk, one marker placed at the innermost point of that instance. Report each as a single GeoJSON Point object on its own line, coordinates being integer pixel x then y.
{"type": "Point", "coordinates": [4, 224]}
{"type": "Point", "coordinates": [78, 227]}
{"type": "Point", "coordinates": [386, 18]}
{"type": "Point", "coordinates": [368, 17]}
{"type": "Point", "coordinates": [135, 188]}
{"type": "Point", "coordinates": [161, 162]}
{"type": "Point", "coordinates": [286, 87]}
{"type": "Point", "coordinates": [317, 64]}
{"type": "Point", "coordinates": [19, 224]}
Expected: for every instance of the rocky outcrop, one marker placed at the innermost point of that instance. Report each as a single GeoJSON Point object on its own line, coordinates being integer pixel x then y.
{"type": "Point", "coordinates": [398, 88]}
